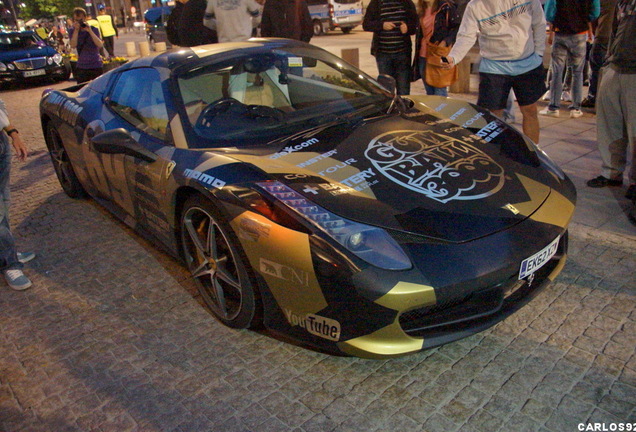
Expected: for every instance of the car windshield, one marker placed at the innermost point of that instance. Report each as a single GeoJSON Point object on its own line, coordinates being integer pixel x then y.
{"type": "Point", "coordinates": [10, 42]}
{"type": "Point", "coordinates": [263, 95]}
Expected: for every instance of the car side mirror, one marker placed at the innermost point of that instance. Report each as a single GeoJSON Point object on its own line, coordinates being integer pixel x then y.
{"type": "Point", "coordinates": [119, 141]}
{"type": "Point", "coordinates": [388, 82]}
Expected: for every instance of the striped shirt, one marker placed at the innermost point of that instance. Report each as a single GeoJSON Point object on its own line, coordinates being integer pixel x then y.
{"type": "Point", "coordinates": [392, 41]}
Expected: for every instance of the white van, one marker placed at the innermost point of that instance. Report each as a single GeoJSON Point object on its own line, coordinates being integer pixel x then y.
{"type": "Point", "coordinates": [333, 14]}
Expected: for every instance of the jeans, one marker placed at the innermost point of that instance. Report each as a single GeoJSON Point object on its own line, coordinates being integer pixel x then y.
{"type": "Point", "coordinates": [397, 65]}
{"type": "Point", "coordinates": [8, 256]}
{"type": "Point", "coordinates": [430, 90]}
{"type": "Point", "coordinates": [571, 48]}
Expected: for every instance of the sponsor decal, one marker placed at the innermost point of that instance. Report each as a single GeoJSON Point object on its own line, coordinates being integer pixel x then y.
{"type": "Point", "coordinates": [338, 166]}
{"type": "Point", "coordinates": [441, 167]}
{"type": "Point", "coordinates": [490, 131]}
{"type": "Point", "coordinates": [326, 328]}
{"type": "Point", "coordinates": [170, 168]}
{"type": "Point", "coordinates": [457, 114]}
{"type": "Point", "coordinates": [317, 159]}
{"type": "Point", "coordinates": [473, 119]}
{"type": "Point", "coordinates": [284, 272]}
{"type": "Point", "coordinates": [250, 229]}
{"type": "Point", "coordinates": [332, 188]}
{"type": "Point", "coordinates": [204, 178]}
{"type": "Point", "coordinates": [358, 178]}
{"type": "Point", "coordinates": [512, 208]}
{"type": "Point", "coordinates": [291, 149]}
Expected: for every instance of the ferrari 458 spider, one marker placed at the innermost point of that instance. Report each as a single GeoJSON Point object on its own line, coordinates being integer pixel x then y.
{"type": "Point", "coordinates": [305, 197]}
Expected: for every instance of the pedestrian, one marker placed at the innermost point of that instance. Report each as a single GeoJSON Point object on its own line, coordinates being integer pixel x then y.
{"type": "Point", "coordinates": [599, 49]}
{"type": "Point", "coordinates": [392, 23]}
{"type": "Point", "coordinates": [511, 45]}
{"type": "Point", "coordinates": [232, 19]}
{"type": "Point", "coordinates": [570, 29]}
{"type": "Point", "coordinates": [287, 19]}
{"type": "Point", "coordinates": [57, 37]}
{"type": "Point", "coordinates": [85, 39]}
{"type": "Point", "coordinates": [616, 102]}
{"type": "Point", "coordinates": [108, 29]}
{"type": "Point", "coordinates": [438, 25]}
{"type": "Point", "coordinates": [11, 261]}
{"type": "Point", "coordinates": [191, 30]}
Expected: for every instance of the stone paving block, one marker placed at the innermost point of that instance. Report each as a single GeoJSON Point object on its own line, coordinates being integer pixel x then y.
{"type": "Point", "coordinates": [520, 423]}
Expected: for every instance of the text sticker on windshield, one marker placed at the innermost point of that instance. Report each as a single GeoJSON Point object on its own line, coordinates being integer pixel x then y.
{"type": "Point", "coordinates": [295, 61]}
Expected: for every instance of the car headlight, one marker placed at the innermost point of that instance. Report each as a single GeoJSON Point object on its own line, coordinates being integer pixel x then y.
{"type": "Point", "coordinates": [3, 67]}
{"type": "Point", "coordinates": [10, 66]}
{"type": "Point", "coordinates": [57, 58]}
{"type": "Point", "coordinates": [372, 244]}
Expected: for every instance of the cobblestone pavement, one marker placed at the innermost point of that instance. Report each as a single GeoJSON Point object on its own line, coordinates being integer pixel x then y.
{"type": "Point", "coordinates": [112, 337]}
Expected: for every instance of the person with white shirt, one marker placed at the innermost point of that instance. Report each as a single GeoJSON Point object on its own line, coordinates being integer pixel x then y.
{"type": "Point", "coordinates": [511, 44]}
{"type": "Point", "coordinates": [232, 18]}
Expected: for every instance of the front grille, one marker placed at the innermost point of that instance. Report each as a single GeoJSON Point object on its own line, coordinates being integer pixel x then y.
{"type": "Point", "coordinates": [471, 309]}
{"type": "Point", "coordinates": [30, 64]}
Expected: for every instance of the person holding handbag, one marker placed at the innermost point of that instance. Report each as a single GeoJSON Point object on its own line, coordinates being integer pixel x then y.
{"type": "Point", "coordinates": [439, 22]}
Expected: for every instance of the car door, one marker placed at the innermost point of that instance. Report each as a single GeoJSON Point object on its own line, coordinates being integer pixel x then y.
{"type": "Point", "coordinates": [132, 184]}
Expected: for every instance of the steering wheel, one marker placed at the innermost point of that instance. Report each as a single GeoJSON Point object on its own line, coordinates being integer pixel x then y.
{"type": "Point", "coordinates": [262, 111]}
{"type": "Point", "coordinates": [215, 108]}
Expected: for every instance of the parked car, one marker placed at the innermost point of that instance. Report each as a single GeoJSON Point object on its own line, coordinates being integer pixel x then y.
{"type": "Point", "coordinates": [306, 197]}
{"type": "Point", "coordinates": [24, 56]}
{"type": "Point", "coordinates": [334, 14]}
{"type": "Point", "coordinates": [156, 19]}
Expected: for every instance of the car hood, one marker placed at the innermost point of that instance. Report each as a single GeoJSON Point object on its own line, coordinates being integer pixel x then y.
{"type": "Point", "coordinates": [418, 173]}
{"type": "Point", "coordinates": [31, 52]}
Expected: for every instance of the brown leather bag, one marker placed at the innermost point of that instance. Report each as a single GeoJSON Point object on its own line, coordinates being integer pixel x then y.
{"type": "Point", "coordinates": [436, 75]}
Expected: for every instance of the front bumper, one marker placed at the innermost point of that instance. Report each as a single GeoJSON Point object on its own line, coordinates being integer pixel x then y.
{"type": "Point", "coordinates": [49, 72]}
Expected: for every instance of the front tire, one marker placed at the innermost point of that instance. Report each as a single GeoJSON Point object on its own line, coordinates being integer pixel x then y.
{"type": "Point", "coordinates": [213, 255]}
{"type": "Point", "coordinates": [318, 30]}
{"type": "Point", "coordinates": [62, 164]}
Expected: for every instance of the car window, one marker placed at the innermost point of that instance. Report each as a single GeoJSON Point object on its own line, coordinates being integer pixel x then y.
{"type": "Point", "coordinates": [138, 97]}
{"type": "Point", "coordinates": [10, 42]}
{"type": "Point", "coordinates": [264, 91]}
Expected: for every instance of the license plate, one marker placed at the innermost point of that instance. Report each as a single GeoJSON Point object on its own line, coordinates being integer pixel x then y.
{"type": "Point", "coordinates": [34, 73]}
{"type": "Point", "coordinates": [538, 260]}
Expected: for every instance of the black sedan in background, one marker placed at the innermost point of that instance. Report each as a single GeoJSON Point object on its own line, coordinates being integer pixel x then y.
{"type": "Point", "coordinates": [306, 197]}
{"type": "Point", "coordinates": [24, 57]}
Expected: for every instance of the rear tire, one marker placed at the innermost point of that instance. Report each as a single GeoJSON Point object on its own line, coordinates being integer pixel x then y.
{"type": "Point", "coordinates": [346, 30]}
{"type": "Point", "coordinates": [62, 164]}
{"type": "Point", "coordinates": [214, 256]}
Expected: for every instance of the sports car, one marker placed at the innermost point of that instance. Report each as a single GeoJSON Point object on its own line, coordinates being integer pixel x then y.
{"type": "Point", "coordinates": [24, 56]}
{"type": "Point", "coordinates": [306, 198]}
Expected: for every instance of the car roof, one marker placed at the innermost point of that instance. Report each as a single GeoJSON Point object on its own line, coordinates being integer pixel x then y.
{"type": "Point", "coordinates": [187, 57]}
{"type": "Point", "coordinates": [14, 33]}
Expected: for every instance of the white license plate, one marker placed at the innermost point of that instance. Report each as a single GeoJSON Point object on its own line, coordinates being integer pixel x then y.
{"type": "Point", "coordinates": [34, 73]}
{"type": "Point", "coordinates": [538, 260]}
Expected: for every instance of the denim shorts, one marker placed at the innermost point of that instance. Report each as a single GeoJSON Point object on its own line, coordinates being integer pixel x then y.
{"type": "Point", "coordinates": [494, 88]}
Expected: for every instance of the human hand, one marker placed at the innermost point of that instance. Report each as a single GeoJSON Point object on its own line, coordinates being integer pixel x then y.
{"type": "Point", "coordinates": [404, 28]}
{"type": "Point", "coordinates": [388, 25]}
{"type": "Point", "coordinates": [19, 147]}
{"type": "Point", "coordinates": [448, 64]}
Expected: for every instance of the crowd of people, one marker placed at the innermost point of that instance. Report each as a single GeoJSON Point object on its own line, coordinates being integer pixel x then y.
{"type": "Point", "coordinates": [512, 41]}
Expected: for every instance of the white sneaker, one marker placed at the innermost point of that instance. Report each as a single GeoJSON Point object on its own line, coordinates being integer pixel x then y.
{"type": "Point", "coordinates": [550, 113]}
{"type": "Point", "coordinates": [574, 113]}
{"type": "Point", "coordinates": [16, 279]}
